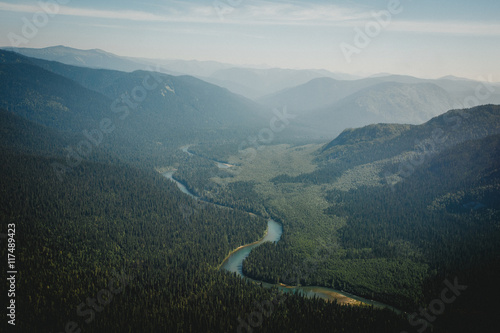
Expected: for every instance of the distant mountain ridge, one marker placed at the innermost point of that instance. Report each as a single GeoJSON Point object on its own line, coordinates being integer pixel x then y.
{"type": "Point", "coordinates": [330, 106]}
{"type": "Point", "coordinates": [148, 114]}
{"type": "Point", "coordinates": [389, 140]}
{"type": "Point", "coordinates": [403, 148]}
{"type": "Point", "coordinates": [246, 81]}
{"type": "Point", "coordinates": [260, 82]}
{"type": "Point", "coordinates": [387, 102]}
{"type": "Point", "coordinates": [94, 58]}
{"type": "Point", "coordinates": [324, 103]}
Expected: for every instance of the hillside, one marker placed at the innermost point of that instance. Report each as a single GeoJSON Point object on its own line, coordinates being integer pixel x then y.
{"type": "Point", "coordinates": [392, 141]}
{"type": "Point", "coordinates": [190, 100]}
{"type": "Point", "coordinates": [115, 247]}
{"type": "Point", "coordinates": [83, 58]}
{"type": "Point", "coordinates": [246, 81]}
{"type": "Point", "coordinates": [148, 115]}
{"type": "Point", "coordinates": [325, 105]}
{"type": "Point", "coordinates": [21, 135]}
{"type": "Point", "coordinates": [256, 83]}
{"type": "Point", "coordinates": [47, 98]}
{"type": "Point", "coordinates": [315, 94]}
{"type": "Point", "coordinates": [387, 102]}
{"type": "Point", "coordinates": [399, 218]}
{"type": "Point", "coordinates": [389, 212]}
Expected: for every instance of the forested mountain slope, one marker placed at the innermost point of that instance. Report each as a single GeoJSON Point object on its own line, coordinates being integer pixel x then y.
{"type": "Point", "coordinates": [419, 205]}
{"type": "Point", "coordinates": [141, 117]}
{"type": "Point", "coordinates": [115, 248]}
{"type": "Point", "coordinates": [395, 143]}
{"type": "Point", "coordinates": [113, 245]}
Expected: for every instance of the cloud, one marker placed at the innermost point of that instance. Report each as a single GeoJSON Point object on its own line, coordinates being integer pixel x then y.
{"type": "Point", "coordinates": [448, 28]}
{"type": "Point", "coordinates": [295, 13]}
{"type": "Point", "coordinates": [93, 13]}
{"type": "Point", "coordinates": [254, 12]}
{"type": "Point", "coordinates": [260, 12]}
{"type": "Point", "coordinates": [290, 13]}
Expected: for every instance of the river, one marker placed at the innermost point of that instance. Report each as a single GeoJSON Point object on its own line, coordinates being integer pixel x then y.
{"type": "Point", "coordinates": [220, 165]}
{"type": "Point", "coordinates": [170, 175]}
{"type": "Point", "coordinates": [234, 263]}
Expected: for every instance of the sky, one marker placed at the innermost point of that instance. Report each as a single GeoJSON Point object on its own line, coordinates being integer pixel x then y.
{"type": "Point", "coordinates": [422, 38]}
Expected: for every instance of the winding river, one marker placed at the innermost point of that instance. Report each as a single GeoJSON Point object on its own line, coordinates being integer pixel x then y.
{"type": "Point", "coordinates": [170, 175]}
{"type": "Point", "coordinates": [234, 263]}
{"type": "Point", "coordinates": [220, 165]}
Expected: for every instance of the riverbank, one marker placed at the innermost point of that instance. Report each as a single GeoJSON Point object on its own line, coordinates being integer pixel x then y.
{"type": "Point", "coordinates": [261, 240]}
{"type": "Point", "coordinates": [330, 295]}
{"type": "Point", "coordinates": [233, 262]}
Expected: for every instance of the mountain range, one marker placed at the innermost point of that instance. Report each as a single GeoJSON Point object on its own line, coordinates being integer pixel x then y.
{"type": "Point", "coordinates": [330, 105]}
{"type": "Point", "coordinates": [324, 103]}
{"type": "Point", "coordinates": [143, 115]}
{"type": "Point", "coordinates": [251, 82]}
{"type": "Point", "coordinates": [404, 206]}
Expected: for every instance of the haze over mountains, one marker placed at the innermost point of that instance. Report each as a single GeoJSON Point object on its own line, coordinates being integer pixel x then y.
{"type": "Point", "coordinates": [250, 82]}
{"type": "Point", "coordinates": [328, 104]}
{"type": "Point", "coordinates": [325, 103]}
{"type": "Point", "coordinates": [398, 205]}
{"type": "Point", "coordinates": [79, 100]}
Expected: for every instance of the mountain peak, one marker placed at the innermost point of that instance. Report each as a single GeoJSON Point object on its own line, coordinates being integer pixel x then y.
{"type": "Point", "coordinates": [454, 78]}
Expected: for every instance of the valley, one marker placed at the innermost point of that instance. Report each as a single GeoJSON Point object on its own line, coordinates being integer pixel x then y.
{"type": "Point", "coordinates": [206, 202]}
{"type": "Point", "coordinates": [234, 261]}
{"type": "Point", "coordinates": [286, 180]}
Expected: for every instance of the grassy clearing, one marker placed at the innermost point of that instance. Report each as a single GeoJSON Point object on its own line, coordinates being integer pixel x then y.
{"type": "Point", "coordinates": [270, 161]}
{"type": "Point", "coordinates": [312, 246]}
{"type": "Point", "coordinates": [300, 206]}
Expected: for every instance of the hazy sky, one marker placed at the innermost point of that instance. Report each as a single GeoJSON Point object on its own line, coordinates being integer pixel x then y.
{"type": "Point", "coordinates": [419, 37]}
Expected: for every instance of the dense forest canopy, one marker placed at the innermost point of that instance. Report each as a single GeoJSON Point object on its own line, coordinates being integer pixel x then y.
{"type": "Point", "coordinates": [104, 242]}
